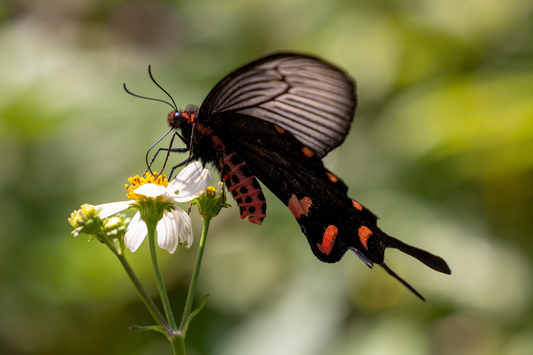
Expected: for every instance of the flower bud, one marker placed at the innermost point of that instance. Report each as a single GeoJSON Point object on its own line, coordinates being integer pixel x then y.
{"type": "Point", "coordinates": [85, 220]}
{"type": "Point", "coordinates": [80, 217]}
{"type": "Point", "coordinates": [115, 227]}
{"type": "Point", "coordinates": [210, 202]}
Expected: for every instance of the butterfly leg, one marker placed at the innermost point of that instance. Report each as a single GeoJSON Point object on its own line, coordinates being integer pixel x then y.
{"type": "Point", "coordinates": [168, 150]}
{"type": "Point", "coordinates": [185, 162]}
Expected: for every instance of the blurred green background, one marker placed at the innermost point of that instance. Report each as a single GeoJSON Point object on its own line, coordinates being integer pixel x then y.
{"type": "Point", "coordinates": [441, 149]}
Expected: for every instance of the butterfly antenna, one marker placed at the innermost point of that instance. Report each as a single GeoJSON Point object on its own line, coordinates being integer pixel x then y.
{"type": "Point", "coordinates": [393, 274]}
{"type": "Point", "coordinates": [149, 98]}
{"type": "Point", "coordinates": [159, 86]}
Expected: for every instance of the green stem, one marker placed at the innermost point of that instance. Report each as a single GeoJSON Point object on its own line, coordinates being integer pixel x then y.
{"type": "Point", "coordinates": [145, 297]}
{"type": "Point", "coordinates": [152, 308]}
{"type": "Point", "coordinates": [159, 277]}
{"type": "Point", "coordinates": [178, 345]}
{"type": "Point", "coordinates": [195, 273]}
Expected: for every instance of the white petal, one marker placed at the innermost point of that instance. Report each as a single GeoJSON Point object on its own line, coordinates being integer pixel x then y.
{"type": "Point", "coordinates": [190, 183]}
{"type": "Point", "coordinates": [136, 233]}
{"type": "Point", "coordinates": [167, 233]}
{"type": "Point", "coordinates": [220, 186]}
{"type": "Point", "coordinates": [194, 188]}
{"type": "Point", "coordinates": [162, 231]}
{"type": "Point", "coordinates": [109, 209]}
{"type": "Point", "coordinates": [185, 227]}
{"type": "Point", "coordinates": [190, 172]}
{"type": "Point", "coordinates": [150, 190]}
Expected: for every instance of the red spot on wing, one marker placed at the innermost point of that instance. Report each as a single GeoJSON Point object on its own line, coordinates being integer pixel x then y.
{"type": "Point", "coordinates": [357, 205]}
{"type": "Point", "coordinates": [328, 240]}
{"type": "Point", "coordinates": [307, 152]}
{"type": "Point", "coordinates": [364, 234]}
{"type": "Point", "coordinates": [279, 129]}
{"type": "Point", "coordinates": [332, 177]}
{"type": "Point", "coordinates": [299, 207]}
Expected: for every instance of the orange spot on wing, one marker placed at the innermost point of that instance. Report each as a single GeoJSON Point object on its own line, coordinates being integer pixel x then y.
{"type": "Point", "coordinates": [364, 234]}
{"type": "Point", "coordinates": [299, 207]}
{"type": "Point", "coordinates": [357, 205]}
{"type": "Point", "coordinates": [332, 177]}
{"type": "Point", "coordinates": [328, 240]}
{"type": "Point", "coordinates": [307, 152]}
{"type": "Point", "coordinates": [279, 129]}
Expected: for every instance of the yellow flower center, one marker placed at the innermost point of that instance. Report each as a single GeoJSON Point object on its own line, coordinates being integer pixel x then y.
{"type": "Point", "coordinates": [148, 178]}
{"type": "Point", "coordinates": [211, 191]}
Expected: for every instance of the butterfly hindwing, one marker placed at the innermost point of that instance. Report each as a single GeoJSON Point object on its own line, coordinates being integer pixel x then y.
{"type": "Point", "coordinates": [332, 222]}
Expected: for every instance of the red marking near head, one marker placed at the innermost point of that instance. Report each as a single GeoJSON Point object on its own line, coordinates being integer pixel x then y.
{"type": "Point", "coordinates": [191, 117]}
{"type": "Point", "coordinates": [279, 129]}
{"type": "Point", "coordinates": [307, 152]}
{"type": "Point", "coordinates": [332, 177]}
{"type": "Point", "coordinates": [299, 207]}
{"type": "Point", "coordinates": [328, 240]}
{"type": "Point", "coordinates": [364, 234]}
{"type": "Point", "coordinates": [357, 205]}
{"type": "Point", "coordinates": [170, 118]}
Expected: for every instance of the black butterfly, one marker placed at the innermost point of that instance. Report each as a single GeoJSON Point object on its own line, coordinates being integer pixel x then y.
{"type": "Point", "coordinates": [273, 120]}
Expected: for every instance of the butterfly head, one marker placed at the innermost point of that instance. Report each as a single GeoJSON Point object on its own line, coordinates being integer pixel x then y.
{"type": "Point", "coordinates": [175, 119]}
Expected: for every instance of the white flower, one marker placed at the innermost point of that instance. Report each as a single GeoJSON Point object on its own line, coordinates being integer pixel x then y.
{"type": "Point", "coordinates": [175, 226]}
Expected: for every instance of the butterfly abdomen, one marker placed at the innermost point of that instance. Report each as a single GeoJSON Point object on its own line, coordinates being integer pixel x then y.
{"type": "Point", "coordinates": [241, 183]}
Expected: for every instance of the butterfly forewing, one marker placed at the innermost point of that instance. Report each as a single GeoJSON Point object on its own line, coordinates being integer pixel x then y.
{"type": "Point", "coordinates": [305, 95]}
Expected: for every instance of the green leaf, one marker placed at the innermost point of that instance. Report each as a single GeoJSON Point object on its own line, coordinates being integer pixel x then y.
{"type": "Point", "coordinates": [200, 306]}
{"type": "Point", "coordinates": [156, 328]}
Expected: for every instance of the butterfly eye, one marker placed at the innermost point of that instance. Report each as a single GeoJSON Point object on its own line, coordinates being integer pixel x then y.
{"type": "Point", "coordinates": [175, 119]}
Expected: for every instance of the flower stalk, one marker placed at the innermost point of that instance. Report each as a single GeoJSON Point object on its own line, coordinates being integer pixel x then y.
{"type": "Point", "coordinates": [159, 277]}
{"type": "Point", "coordinates": [145, 297]}
{"type": "Point", "coordinates": [194, 277]}
{"type": "Point", "coordinates": [87, 220]}
{"type": "Point", "coordinates": [166, 225]}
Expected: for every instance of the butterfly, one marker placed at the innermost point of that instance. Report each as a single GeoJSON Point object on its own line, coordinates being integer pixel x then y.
{"type": "Point", "coordinates": [273, 120]}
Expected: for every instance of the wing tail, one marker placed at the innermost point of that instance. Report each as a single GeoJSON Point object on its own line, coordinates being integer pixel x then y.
{"type": "Point", "coordinates": [433, 261]}
{"type": "Point", "coordinates": [393, 274]}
